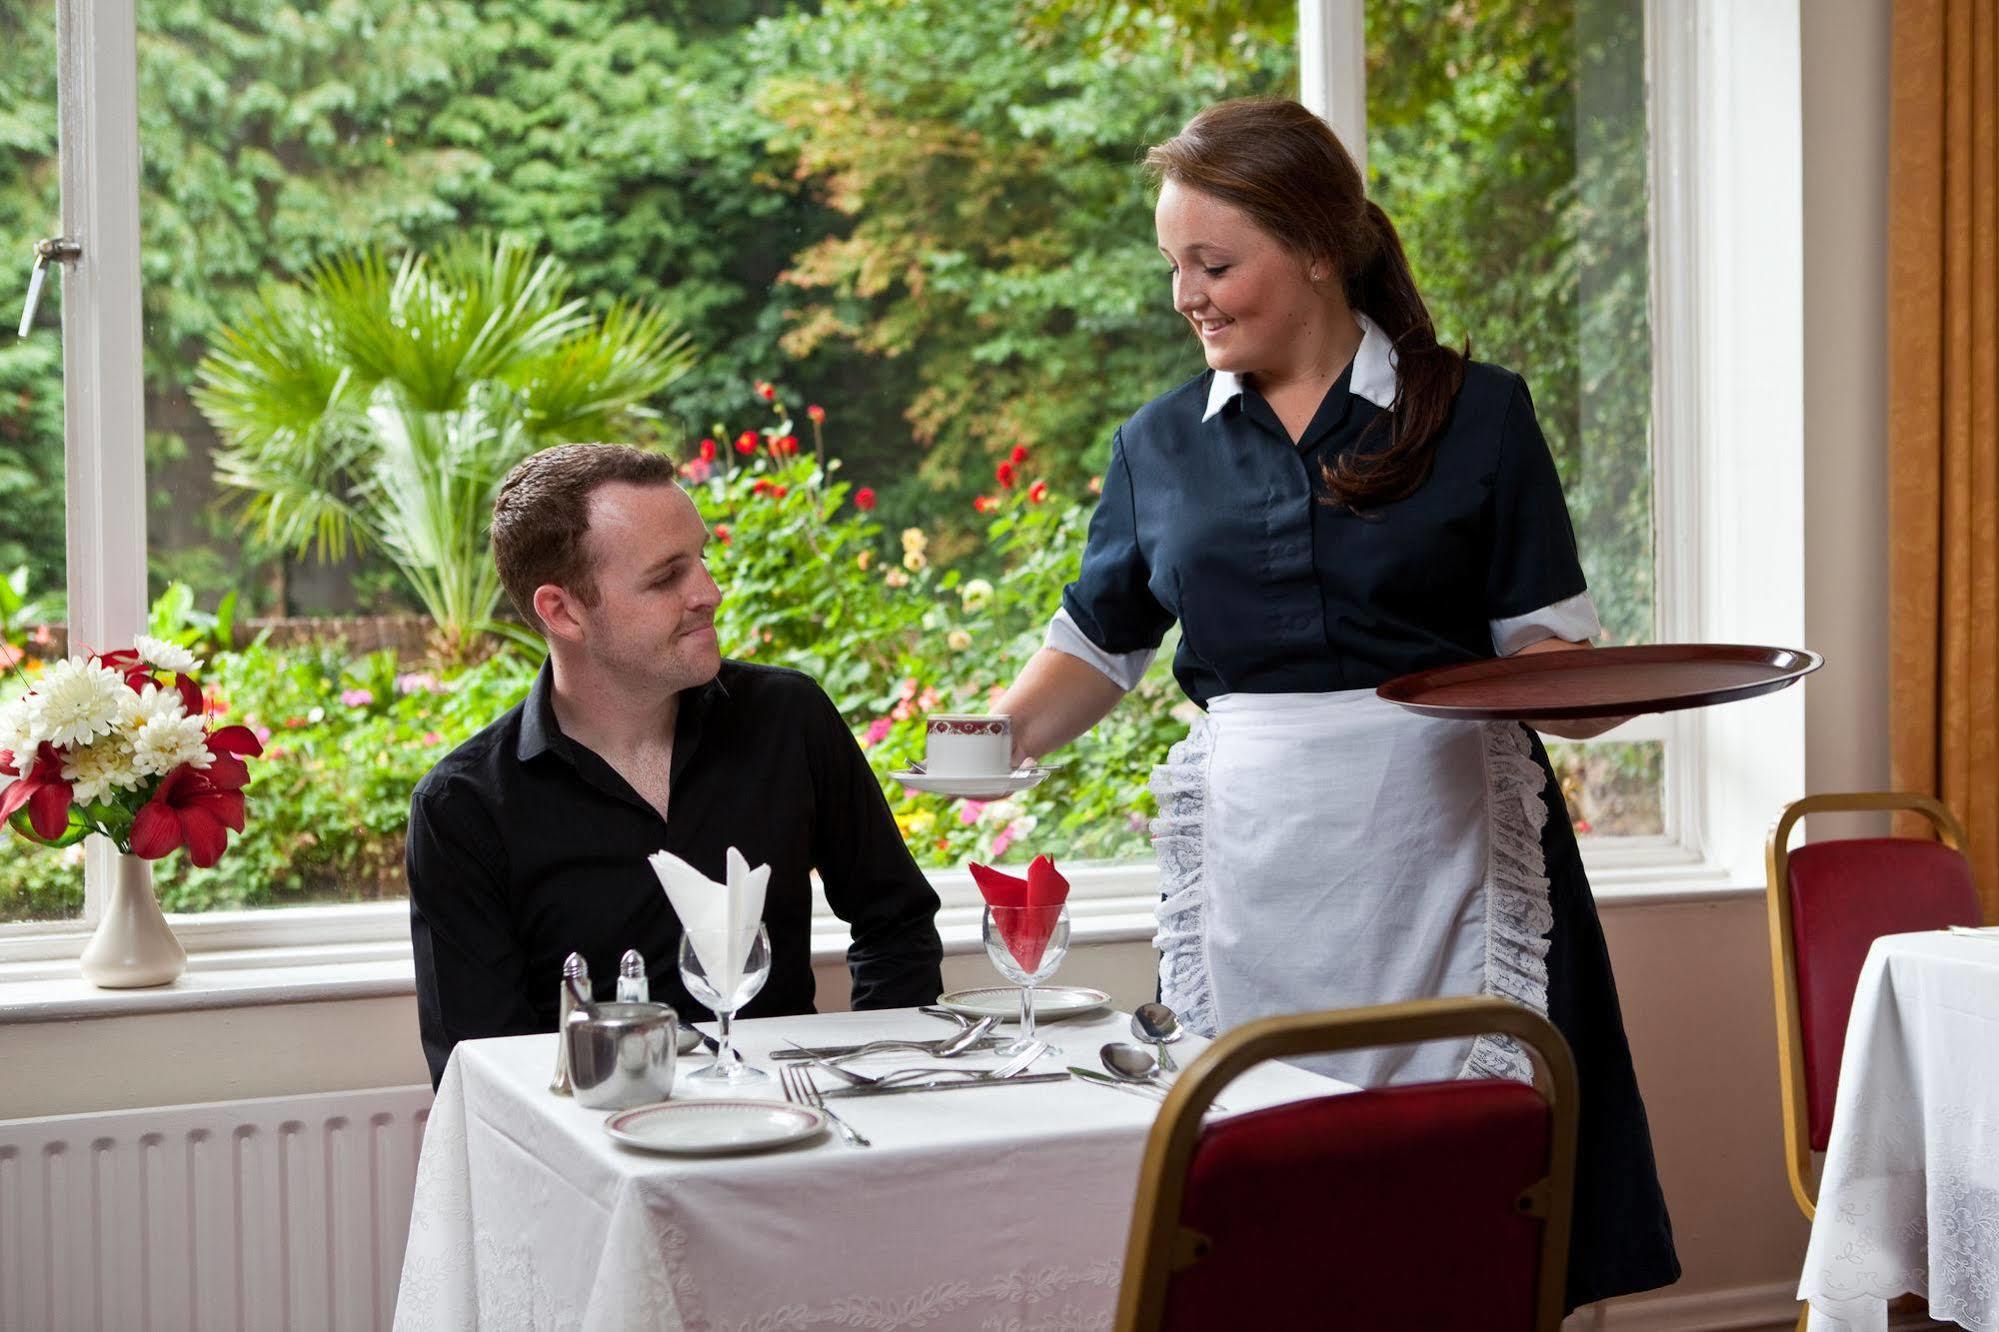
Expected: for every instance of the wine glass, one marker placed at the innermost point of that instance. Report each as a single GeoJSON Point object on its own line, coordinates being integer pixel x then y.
{"type": "Point", "coordinates": [1026, 944]}
{"type": "Point", "coordinates": [728, 1070]}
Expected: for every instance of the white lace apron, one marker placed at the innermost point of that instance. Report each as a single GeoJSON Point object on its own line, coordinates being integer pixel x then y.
{"type": "Point", "coordinates": [1332, 851]}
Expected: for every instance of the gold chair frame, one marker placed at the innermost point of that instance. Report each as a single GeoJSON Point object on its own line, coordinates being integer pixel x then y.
{"type": "Point", "coordinates": [1784, 957]}
{"type": "Point", "coordinates": [1159, 1245]}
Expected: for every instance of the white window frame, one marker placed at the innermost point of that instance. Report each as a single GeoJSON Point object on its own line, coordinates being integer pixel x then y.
{"type": "Point", "coordinates": [1726, 118]}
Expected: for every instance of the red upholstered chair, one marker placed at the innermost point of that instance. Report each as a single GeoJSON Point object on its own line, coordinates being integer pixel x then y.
{"type": "Point", "coordinates": [1829, 901]}
{"type": "Point", "coordinates": [1429, 1206]}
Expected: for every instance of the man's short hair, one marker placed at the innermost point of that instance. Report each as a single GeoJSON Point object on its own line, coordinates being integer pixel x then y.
{"type": "Point", "coordinates": [542, 515]}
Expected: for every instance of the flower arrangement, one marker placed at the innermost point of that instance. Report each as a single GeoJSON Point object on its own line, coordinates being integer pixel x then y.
{"type": "Point", "coordinates": [119, 743]}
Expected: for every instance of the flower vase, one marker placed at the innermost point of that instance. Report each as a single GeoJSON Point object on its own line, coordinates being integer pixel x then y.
{"type": "Point", "coordinates": [132, 946]}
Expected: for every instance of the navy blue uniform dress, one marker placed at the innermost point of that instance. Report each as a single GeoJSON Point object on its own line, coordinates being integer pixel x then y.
{"type": "Point", "coordinates": [1212, 517]}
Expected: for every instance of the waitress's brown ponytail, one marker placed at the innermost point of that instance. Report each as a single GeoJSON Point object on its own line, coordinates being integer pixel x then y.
{"type": "Point", "coordinates": [1286, 169]}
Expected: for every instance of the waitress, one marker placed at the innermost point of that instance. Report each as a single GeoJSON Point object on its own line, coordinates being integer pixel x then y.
{"type": "Point", "coordinates": [1337, 501]}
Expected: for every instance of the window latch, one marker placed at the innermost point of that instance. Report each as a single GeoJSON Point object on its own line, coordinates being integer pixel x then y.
{"type": "Point", "coordinates": [52, 249]}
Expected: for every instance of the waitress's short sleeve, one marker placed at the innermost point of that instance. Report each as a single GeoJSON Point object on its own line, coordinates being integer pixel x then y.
{"type": "Point", "coordinates": [1111, 602]}
{"type": "Point", "coordinates": [1534, 563]}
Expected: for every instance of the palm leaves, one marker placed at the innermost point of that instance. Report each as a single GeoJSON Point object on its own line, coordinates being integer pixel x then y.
{"type": "Point", "coordinates": [380, 401]}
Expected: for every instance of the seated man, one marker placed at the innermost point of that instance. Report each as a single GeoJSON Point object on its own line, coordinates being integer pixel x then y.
{"type": "Point", "coordinates": [529, 841]}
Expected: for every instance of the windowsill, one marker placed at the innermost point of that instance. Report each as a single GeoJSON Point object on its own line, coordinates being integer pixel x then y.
{"type": "Point", "coordinates": [49, 990]}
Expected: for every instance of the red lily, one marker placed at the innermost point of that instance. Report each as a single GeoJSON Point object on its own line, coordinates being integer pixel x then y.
{"type": "Point", "coordinates": [127, 662]}
{"type": "Point", "coordinates": [189, 809]}
{"type": "Point", "coordinates": [42, 790]}
{"type": "Point", "coordinates": [228, 771]}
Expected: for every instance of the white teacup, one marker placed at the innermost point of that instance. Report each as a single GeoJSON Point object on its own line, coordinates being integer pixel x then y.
{"type": "Point", "coordinates": [965, 745]}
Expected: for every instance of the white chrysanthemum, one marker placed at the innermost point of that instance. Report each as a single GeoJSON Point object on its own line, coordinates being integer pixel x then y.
{"type": "Point", "coordinates": [135, 710]}
{"type": "Point", "coordinates": [164, 742]}
{"type": "Point", "coordinates": [97, 768]}
{"type": "Point", "coordinates": [76, 701]}
{"type": "Point", "coordinates": [166, 656]}
{"type": "Point", "coordinates": [17, 729]}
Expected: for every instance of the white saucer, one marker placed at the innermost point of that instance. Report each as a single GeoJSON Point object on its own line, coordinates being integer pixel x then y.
{"type": "Point", "coordinates": [975, 786]}
{"type": "Point", "coordinates": [1051, 1002]}
{"type": "Point", "coordinates": [714, 1128]}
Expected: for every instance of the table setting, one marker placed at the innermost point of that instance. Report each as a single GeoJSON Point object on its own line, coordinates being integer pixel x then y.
{"type": "Point", "coordinates": [1909, 1193]}
{"type": "Point", "coordinates": [969, 1164]}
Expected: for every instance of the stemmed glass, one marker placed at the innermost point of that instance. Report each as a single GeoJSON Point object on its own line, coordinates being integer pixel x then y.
{"type": "Point", "coordinates": [728, 1070]}
{"type": "Point", "coordinates": [1026, 943]}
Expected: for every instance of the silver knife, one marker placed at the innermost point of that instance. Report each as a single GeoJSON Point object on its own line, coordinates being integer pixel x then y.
{"type": "Point", "coordinates": [943, 1085]}
{"type": "Point", "coordinates": [841, 1051]}
{"type": "Point", "coordinates": [1106, 1080]}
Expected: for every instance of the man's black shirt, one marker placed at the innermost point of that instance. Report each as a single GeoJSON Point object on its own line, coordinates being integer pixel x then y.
{"type": "Point", "coordinates": [525, 846]}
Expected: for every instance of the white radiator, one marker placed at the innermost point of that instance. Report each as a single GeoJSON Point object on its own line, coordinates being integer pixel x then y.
{"type": "Point", "coordinates": [287, 1214]}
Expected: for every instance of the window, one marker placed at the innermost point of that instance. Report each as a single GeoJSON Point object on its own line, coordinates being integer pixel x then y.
{"type": "Point", "coordinates": [949, 255]}
{"type": "Point", "coordinates": [33, 561]}
{"type": "Point", "coordinates": [1509, 143]}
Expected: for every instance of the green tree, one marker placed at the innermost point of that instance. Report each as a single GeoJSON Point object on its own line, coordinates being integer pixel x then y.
{"type": "Point", "coordinates": [383, 399]}
{"type": "Point", "coordinates": [997, 234]}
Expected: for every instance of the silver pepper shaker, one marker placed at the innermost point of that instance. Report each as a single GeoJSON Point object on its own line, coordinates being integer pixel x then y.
{"type": "Point", "coordinates": [633, 987]}
{"type": "Point", "coordinates": [574, 969]}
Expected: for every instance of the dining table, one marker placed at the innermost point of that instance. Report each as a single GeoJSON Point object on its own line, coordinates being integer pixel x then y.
{"type": "Point", "coordinates": [1908, 1197]}
{"type": "Point", "coordinates": [1002, 1208]}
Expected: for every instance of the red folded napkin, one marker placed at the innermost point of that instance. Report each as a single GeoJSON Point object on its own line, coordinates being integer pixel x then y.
{"type": "Point", "coordinates": [1025, 910]}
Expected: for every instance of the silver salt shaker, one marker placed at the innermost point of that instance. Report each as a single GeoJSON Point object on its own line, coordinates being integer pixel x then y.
{"type": "Point", "coordinates": [633, 987]}
{"type": "Point", "coordinates": [574, 968]}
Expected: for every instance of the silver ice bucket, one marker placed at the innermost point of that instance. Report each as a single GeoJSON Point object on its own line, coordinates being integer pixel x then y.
{"type": "Point", "coordinates": [621, 1054]}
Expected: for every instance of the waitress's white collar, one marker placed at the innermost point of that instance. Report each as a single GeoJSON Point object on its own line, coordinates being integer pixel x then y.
{"type": "Point", "coordinates": [1373, 372]}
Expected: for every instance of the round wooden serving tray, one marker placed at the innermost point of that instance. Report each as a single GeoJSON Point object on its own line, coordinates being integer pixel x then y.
{"type": "Point", "coordinates": [1600, 682]}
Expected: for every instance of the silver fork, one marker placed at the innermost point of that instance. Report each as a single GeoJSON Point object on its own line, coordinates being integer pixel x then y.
{"type": "Point", "coordinates": [800, 1089]}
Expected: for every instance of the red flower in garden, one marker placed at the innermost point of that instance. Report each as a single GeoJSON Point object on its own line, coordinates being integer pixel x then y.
{"type": "Point", "coordinates": [778, 492]}
{"type": "Point", "coordinates": [722, 533]}
{"type": "Point", "coordinates": [1018, 456]}
{"type": "Point", "coordinates": [760, 487]}
{"type": "Point", "coordinates": [985, 503]}
{"type": "Point", "coordinates": [708, 450]}
{"type": "Point", "coordinates": [746, 442]}
{"type": "Point", "coordinates": [42, 790]}
{"type": "Point", "coordinates": [785, 444]}
{"type": "Point", "coordinates": [1004, 475]}
{"type": "Point", "coordinates": [192, 809]}
{"type": "Point", "coordinates": [765, 391]}
{"type": "Point", "coordinates": [817, 413]}
{"type": "Point", "coordinates": [1038, 491]}
{"type": "Point", "coordinates": [864, 498]}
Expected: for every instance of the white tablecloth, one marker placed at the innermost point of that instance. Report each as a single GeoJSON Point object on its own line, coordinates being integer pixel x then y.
{"type": "Point", "coordinates": [1909, 1197]}
{"type": "Point", "coordinates": [1003, 1208]}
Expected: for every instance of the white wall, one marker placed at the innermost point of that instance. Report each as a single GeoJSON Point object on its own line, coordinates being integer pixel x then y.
{"type": "Point", "coordinates": [1694, 977]}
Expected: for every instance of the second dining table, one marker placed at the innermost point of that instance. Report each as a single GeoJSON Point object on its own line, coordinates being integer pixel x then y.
{"type": "Point", "coordinates": [998, 1207]}
{"type": "Point", "coordinates": [1909, 1197]}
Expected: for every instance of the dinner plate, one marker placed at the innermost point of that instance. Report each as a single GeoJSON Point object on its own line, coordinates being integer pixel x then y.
{"type": "Point", "coordinates": [990, 786]}
{"type": "Point", "coordinates": [714, 1128]}
{"type": "Point", "coordinates": [1051, 1002]}
{"type": "Point", "coordinates": [1600, 682]}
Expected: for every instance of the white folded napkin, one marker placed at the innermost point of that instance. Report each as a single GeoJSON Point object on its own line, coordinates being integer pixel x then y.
{"type": "Point", "coordinates": [719, 919]}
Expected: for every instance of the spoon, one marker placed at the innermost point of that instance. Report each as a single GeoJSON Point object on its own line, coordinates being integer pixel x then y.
{"type": "Point", "coordinates": [1160, 1025]}
{"type": "Point", "coordinates": [1130, 1063]}
{"type": "Point", "coordinates": [945, 1013]}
